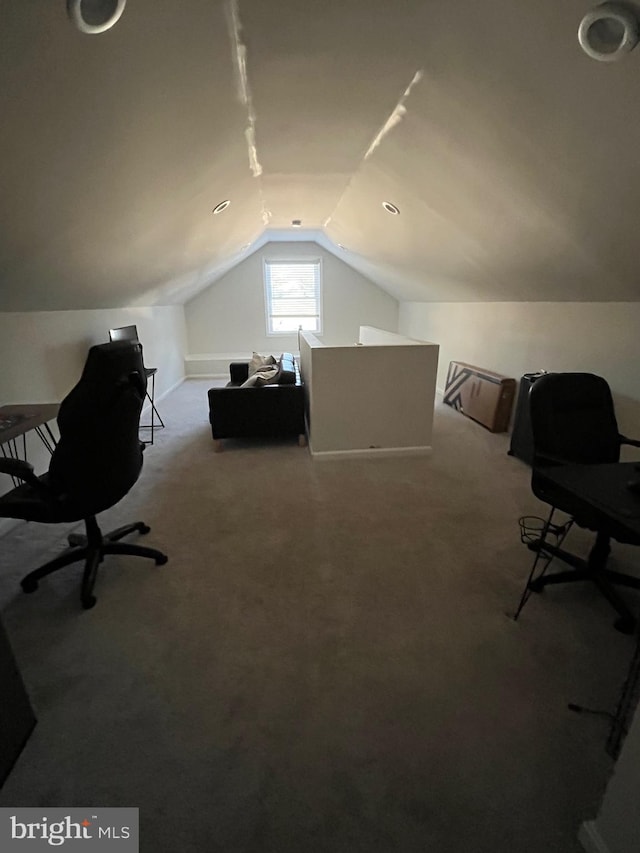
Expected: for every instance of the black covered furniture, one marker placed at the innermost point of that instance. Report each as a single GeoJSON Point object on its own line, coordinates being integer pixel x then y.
{"type": "Point", "coordinates": [521, 435]}
{"type": "Point", "coordinates": [17, 719]}
{"type": "Point", "coordinates": [573, 422]}
{"type": "Point", "coordinates": [95, 463]}
{"type": "Point", "coordinates": [273, 410]}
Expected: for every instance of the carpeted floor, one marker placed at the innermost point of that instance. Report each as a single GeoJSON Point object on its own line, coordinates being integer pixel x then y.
{"type": "Point", "coordinates": [325, 663]}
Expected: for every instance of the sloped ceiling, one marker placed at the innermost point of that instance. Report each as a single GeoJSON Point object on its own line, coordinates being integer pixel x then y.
{"type": "Point", "coordinates": [512, 156]}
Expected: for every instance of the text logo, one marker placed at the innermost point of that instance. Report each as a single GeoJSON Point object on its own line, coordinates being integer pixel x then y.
{"type": "Point", "coordinates": [33, 829]}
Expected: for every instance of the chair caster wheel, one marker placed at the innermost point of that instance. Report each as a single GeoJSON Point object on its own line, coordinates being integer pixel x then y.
{"type": "Point", "coordinates": [625, 625]}
{"type": "Point", "coordinates": [29, 585]}
{"type": "Point", "coordinates": [89, 601]}
{"type": "Point", "coordinates": [536, 585]}
{"type": "Point", "coordinates": [144, 528]}
{"type": "Point", "coordinates": [161, 560]}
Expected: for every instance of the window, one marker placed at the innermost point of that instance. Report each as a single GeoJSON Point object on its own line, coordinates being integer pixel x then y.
{"type": "Point", "coordinates": [293, 296]}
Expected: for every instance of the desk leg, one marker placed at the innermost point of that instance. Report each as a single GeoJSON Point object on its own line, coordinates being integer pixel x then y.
{"type": "Point", "coordinates": [10, 451]}
{"type": "Point", "coordinates": [151, 398]}
{"type": "Point", "coordinates": [154, 412]}
{"type": "Point", "coordinates": [10, 448]}
{"type": "Point", "coordinates": [47, 437]}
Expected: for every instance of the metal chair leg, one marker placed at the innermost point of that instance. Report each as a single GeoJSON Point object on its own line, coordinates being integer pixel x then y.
{"type": "Point", "coordinates": [538, 545]}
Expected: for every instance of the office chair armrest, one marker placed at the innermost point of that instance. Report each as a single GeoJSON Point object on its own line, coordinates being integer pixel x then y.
{"type": "Point", "coordinates": [632, 441]}
{"type": "Point", "coordinates": [20, 469]}
{"type": "Point", "coordinates": [138, 383]}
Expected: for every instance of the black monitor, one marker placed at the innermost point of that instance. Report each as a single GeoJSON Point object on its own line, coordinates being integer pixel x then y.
{"type": "Point", "coordinates": [124, 333]}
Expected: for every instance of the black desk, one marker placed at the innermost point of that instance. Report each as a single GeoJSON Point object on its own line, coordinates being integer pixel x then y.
{"type": "Point", "coordinates": [19, 419]}
{"type": "Point", "coordinates": [17, 719]}
{"type": "Point", "coordinates": [601, 494]}
{"type": "Point", "coordinates": [600, 501]}
{"type": "Point", "coordinates": [16, 714]}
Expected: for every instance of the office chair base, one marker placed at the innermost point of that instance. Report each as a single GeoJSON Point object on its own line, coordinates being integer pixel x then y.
{"type": "Point", "coordinates": [92, 548]}
{"type": "Point", "coordinates": [80, 539]}
{"type": "Point", "coordinates": [592, 569]}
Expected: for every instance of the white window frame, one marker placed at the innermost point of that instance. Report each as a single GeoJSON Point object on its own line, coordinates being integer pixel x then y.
{"type": "Point", "coordinates": [268, 299]}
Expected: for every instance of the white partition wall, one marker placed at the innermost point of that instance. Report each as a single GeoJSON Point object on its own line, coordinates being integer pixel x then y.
{"type": "Point", "coordinates": [369, 398]}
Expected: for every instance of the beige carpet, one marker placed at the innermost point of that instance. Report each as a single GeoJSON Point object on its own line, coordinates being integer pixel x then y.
{"type": "Point", "coordinates": [325, 663]}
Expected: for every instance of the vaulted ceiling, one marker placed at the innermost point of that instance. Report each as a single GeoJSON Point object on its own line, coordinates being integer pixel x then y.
{"type": "Point", "coordinates": [511, 155]}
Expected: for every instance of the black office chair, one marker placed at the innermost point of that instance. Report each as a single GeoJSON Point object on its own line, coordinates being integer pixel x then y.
{"type": "Point", "coordinates": [573, 422]}
{"type": "Point", "coordinates": [95, 463]}
{"type": "Point", "coordinates": [130, 333]}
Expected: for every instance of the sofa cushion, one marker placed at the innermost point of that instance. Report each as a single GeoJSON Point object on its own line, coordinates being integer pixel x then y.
{"type": "Point", "coordinates": [287, 369]}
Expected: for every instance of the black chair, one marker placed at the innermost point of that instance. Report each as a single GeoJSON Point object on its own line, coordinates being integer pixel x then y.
{"type": "Point", "coordinates": [94, 464]}
{"type": "Point", "coordinates": [573, 421]}
{"type": "Point", "coordinates": [130, 333]}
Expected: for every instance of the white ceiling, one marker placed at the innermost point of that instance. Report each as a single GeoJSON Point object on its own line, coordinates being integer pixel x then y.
{"type": "Point", "coordinates": [512, 156]}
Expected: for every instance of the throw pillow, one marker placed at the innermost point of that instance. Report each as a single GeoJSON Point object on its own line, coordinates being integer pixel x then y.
{"type": "Point", "coordinates": [266, 375]}
{"type": "Point", "coordinates": [258, 361]}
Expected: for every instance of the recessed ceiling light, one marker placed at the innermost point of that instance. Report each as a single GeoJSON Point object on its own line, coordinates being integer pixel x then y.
{"type": "Point", "coordinates": [222, 206]}
{"type": "Point", "coordinates": [95, 16]}
{"type": "Point", "coordinates": [390, 208]}
{"type": "Point", "coordinates": [297, 223]}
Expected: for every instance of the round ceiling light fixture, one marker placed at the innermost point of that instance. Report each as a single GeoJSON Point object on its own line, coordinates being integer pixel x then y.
{"type": "Point", "coordinates": [608, 32]}
{"type": "Point", "coordinates": [222, 206]}
{"type": "Point", "coordinates": [95, 16]}
{"type": "Point", "coordinates": [390, 208]}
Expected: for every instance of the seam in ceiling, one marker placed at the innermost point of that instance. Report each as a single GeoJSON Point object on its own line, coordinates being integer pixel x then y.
{"type": "Point", "coordinates": [396, 116]}
{"type": "Point", "coordinates": [239, 60]}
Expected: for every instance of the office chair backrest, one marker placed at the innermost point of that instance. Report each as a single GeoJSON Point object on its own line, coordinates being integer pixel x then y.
{"type": "Point", "coordinates": [99, 455]}
{"type": "Point", "coordinates": [573, 419]}
{"type": "Point", "coordinates": [124, 333]}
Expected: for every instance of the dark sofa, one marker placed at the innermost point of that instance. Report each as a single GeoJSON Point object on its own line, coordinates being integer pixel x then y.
{"type": "Point", "coordinates": [273, 410]}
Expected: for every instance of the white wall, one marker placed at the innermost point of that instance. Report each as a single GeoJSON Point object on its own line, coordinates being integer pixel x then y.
{"type": "Point", "coordinates": [229, 317]}
{"type": "Point", "coordinates": [513, 338]}
{"type": "Point", "coordinates": [354, 394]}
{"type": "Point", "coordinates": [43, 352]}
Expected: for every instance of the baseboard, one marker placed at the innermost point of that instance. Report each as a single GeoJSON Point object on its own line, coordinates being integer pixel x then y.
{"type": "Point", "coordinates": [215, 365]}
{"type": "Point", "coordinates": [173, 387]}
{"type": "Point", "coordinates": [211, 364]}
{"type": "Point", "coordinates": [146, 410]}
{"type": "Point", "coordinates": [590, 838]}
{"type": "Point", "coordinates": [368, 453]}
